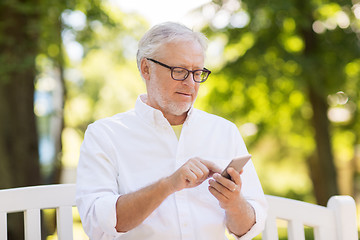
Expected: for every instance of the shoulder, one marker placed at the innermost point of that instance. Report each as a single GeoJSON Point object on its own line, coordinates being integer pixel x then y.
{"type": "Point", "coordinates": [110, 122]}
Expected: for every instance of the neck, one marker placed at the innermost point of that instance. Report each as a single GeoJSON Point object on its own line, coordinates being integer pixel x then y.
{"type": "Point", "coordinates": [176, 119]}
{"type": "Point", "coordinates": [172, 118]}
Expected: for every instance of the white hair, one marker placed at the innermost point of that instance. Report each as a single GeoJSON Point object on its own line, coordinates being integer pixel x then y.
{"type": "Point", "coordinates": [164, 33]}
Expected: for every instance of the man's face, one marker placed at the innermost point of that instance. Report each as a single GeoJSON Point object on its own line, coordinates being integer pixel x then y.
{"type": "Point", "coordinates": [174, 98]}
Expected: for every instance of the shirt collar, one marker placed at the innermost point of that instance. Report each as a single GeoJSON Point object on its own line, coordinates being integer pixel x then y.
{"type": "Point", "coordinates": [152, 115]}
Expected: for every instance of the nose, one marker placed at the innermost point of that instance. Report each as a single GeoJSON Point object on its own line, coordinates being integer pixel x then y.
{"type": "Point", "coordinates": [189, 80]}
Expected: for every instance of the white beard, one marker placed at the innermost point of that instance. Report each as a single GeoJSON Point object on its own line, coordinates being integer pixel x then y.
{"type": "Point", "coordinates": [167, 106]}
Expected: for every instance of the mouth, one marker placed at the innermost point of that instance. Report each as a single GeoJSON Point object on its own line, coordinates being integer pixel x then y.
{"type": "Point", "coordinates": [185, 94]}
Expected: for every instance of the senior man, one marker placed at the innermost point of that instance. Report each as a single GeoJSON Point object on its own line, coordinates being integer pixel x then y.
{"type": "Point", "coordinates": [142, 174]}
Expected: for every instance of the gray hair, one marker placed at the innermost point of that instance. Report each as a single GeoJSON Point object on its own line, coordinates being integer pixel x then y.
{"type": "Point", "coordinates": [165, 33]}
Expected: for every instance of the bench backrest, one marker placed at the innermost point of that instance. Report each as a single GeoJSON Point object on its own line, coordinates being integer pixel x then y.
{"type": "Point", "coordinates": [31, 200]}
{"type": "Point", "coordinates": [337, 221]}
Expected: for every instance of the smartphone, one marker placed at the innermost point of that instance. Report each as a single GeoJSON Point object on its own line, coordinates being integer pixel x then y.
{"type": "Point", "coordinates": [237, 163]}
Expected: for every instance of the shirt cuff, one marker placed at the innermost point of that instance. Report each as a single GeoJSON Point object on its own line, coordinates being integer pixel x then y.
{"type": "Point", "coordinates": [258, 227]}
{"type": "Point", "coordinates": [105, 210]}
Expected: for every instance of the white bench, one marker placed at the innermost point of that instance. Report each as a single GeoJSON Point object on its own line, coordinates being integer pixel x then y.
{"type": "Point", "coordinates": [31, 200]}
{"type": "Point", "coordinates": [337, 221]}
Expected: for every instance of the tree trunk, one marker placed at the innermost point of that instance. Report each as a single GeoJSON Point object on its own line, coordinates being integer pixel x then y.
{"type": "Point", "coordinates": [321, 163]}
{"type": "Point", "coordinates": [322, 167]}
{"type": "Point", "coordinates": [19, 158]}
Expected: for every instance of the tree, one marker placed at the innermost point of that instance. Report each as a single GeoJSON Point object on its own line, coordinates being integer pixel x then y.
{"type": "Point", "coordinates": [29, 29]}
{"type": "Point", "coordinates": [19, 165]}
{"type": "Point", "coordinates": [282, 61]}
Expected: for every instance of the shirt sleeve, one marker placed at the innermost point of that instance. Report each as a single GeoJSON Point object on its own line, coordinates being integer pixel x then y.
{"type": "Point", "coordinates": [97, 190]}
{"type": "Point", "coordinates": [252, 192]}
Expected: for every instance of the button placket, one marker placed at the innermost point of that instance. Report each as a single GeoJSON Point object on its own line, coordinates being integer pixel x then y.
{"type": "Point", "coordinates": [184, 214]}
{"type": "Point", "coordinates": [181, 197]}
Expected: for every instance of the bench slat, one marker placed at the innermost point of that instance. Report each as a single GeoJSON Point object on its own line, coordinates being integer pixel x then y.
{"type": "Point", "coordinates": [3, 226]}
{"type": "Point", "coordinates": [32, 224]}
{"type": "Point", "coordinates": [296, 230]}
{"type": "Point", "coordinates": [64, 226]}
{"type": "Point", "coordinates": [270, 232]}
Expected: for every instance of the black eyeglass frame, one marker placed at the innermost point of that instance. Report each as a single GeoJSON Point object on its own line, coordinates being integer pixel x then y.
{"type": "Point", "coordinates": [188, 71]}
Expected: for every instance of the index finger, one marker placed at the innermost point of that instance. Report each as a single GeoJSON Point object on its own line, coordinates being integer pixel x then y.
{"type": "Point", "coordinates": [211, 166]}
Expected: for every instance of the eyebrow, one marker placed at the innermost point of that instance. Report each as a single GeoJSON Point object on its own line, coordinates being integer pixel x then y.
{"type": "Point", "coordinates": [184, 66]}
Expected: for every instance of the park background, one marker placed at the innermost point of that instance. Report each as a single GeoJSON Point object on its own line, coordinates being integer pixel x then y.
{"type": "Point", "coordinates": [286, 72]}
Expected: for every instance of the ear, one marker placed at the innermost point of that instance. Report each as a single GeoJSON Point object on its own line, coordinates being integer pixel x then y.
{"type": "Point", "coordinates": [145, 69]}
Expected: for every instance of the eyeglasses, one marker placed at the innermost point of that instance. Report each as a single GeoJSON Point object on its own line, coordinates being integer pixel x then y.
{"type": "Point", "coordinates": [180, 74]}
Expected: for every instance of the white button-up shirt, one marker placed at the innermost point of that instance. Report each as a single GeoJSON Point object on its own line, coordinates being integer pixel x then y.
{"type": "Point", "coordinates": [131, 150]}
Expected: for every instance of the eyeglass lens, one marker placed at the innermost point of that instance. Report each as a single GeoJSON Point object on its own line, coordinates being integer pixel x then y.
{"type": "Point", "coordinates": [181, 74]}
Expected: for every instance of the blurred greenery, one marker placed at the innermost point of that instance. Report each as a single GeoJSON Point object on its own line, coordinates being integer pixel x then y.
{"type": "Point", "coordinates": [287, 72]}
{"type": "Point", "coordinates": [289, 78]}
{"type": "Point", "coordinates": [48, 49]}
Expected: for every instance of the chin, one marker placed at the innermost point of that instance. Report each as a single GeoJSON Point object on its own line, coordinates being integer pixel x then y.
{"type": "Point", "coordinates": [180, 109]}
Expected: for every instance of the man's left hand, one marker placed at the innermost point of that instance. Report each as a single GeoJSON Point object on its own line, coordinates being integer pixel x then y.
{"type": "Point", "coordinates": [226, 191]}
{"type": "Point", "coordinates": [237, 209]}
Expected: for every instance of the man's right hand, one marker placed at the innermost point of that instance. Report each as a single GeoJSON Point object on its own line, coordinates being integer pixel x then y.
{"type": "Point", "coordinates": [133, 208]}
{"type": "Point", "coordinates": [194, 172]}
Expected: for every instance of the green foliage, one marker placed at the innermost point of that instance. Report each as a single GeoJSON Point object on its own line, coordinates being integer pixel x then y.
{"type": "Point", "coordinates": [106, 81]}
{"type": "Point", "coordinates": [98, 83]}
{"type": "Point", "coordinates": [268, 67]}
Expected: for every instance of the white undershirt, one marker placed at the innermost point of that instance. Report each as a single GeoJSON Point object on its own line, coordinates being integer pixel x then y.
{"type": "Point", "coordinates": [177, 129]}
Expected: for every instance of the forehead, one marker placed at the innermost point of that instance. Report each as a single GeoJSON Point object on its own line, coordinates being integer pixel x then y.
{"type": "Point", "coordinates": [182, 53]}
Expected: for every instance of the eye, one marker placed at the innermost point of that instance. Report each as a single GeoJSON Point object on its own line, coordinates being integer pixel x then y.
{"type": "Point", "coordinates": [198, 73]}
{"type": "Point", "coordinates": [179, 71]}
